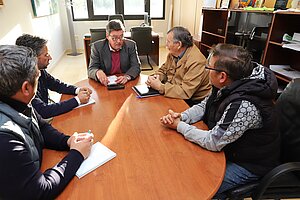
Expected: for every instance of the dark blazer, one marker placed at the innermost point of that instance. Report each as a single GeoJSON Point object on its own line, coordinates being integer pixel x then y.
{"type": "Point", "coordinates": [101, 59]}
{"type": "Point", "coordinates": [40, 102]}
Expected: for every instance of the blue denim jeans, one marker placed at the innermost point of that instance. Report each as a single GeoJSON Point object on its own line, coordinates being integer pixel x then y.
{"type": "Point", "coordinates": [235, 175]}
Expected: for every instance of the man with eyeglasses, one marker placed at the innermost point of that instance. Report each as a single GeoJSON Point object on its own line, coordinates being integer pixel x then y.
{"type": "Point", "coordinates": [47, 82]}
{"type": "Point", "coordinates": [240, 116]}
{"type": "Point", "coordinates": [114, 55]}
{"type": "Point", "coordinates": [183, 75]}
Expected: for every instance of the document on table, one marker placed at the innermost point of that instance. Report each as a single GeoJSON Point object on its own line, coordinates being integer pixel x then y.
{"type": "Point", "coordinates": [91, 101]}
{"type": "Point", "coordinates": [112, 80]}
{"type": "Point", "coordinates": [99, 155]}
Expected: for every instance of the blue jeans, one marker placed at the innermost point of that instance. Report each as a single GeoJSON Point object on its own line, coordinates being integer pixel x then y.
{"type": "Point", "coordinates": [235, 175]}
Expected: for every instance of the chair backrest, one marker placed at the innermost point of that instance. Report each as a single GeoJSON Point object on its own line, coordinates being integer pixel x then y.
{"type": "Point", "coordinates": [116, 16]}
{"type": "Point", "coordinates": [97, 34]}
{"type": "Point", "coordinates": [288, 105]}
{"type": "Point", "coordinates": [142, 35]}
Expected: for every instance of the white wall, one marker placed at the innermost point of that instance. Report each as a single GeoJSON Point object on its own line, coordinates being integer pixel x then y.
{"type": "Point", "coordinates": [16, 18]}
{"type": "Point", "coordinates": [187, 13]}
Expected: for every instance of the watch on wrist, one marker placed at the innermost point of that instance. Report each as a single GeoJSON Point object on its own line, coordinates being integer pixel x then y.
{"type": "Point", "coordinates": [128, 77]}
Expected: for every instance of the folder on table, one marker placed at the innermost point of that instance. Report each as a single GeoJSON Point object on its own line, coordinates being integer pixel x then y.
{"type": "Point", "coordinates": [99, 155]}
{"type": "Point", "coordinates": [145, 91]}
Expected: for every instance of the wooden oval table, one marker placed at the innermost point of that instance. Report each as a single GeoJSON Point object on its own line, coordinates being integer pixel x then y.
{"type": "Point", "coordinates": [152, 162]}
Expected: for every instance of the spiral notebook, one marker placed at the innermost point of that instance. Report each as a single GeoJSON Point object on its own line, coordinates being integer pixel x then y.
{"type": "Point", "coordinates": [99, 155]}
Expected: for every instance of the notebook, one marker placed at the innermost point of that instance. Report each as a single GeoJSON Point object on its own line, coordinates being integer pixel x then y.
{"type": "Point", "coordinates": [99, 155]}
{"type": "Point", "coordinates": [91, 101]}
{"type": "Point", "coordinates": [144, 91]}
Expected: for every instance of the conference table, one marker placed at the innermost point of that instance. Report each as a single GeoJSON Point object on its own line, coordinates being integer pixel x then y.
{"type": "Point", "coordinates": [152, 162]}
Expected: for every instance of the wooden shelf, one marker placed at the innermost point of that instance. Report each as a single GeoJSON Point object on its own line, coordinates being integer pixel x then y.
{"type": "Point", "coordinates": [220, 26]}
{"type": "Point", "coordinates": [275, 43]}
{"type": "Point", "coordinates": [213, 34]}
{"type": "Point", "coordinates": [275, 54]}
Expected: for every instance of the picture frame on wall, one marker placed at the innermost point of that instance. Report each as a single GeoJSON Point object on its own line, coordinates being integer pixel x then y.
{"type": "Point", "coordinates": [1, 3]}
{"type": "Point", "coordinates": [44, 7]}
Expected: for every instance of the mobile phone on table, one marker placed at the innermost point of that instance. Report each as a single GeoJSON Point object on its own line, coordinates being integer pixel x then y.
{"type": "Point", "coordinates": [115, 87]}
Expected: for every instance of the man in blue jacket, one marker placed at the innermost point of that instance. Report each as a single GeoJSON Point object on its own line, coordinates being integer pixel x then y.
{"type": "Point", "coordinates": [24, 134]}
{"type": "Point", "coordinates": [46, 81]}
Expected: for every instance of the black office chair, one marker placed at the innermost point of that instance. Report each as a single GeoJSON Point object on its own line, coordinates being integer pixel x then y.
{"type": "Point", "coordinates": [116, 16]}
{"type": "Point", "coordinates": [284, 180]}
{"type": "Point", "coordinates": [97, 34]}
{"type": "Point", "coordinates": [142, 35]}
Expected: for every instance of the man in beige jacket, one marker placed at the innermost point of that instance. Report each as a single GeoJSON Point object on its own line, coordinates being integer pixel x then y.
{"type": "Point", "coordinates": [183, 75]}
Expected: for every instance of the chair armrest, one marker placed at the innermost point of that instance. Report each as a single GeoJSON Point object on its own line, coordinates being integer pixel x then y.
{"type": "Point", "coordinates": [273, 175]}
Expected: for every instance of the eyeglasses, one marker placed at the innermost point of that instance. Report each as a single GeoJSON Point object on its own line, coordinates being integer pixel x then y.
{"type": "Point", "coordinates": [218, 70]}
{"type": "Point", "coordinates": [116, 38]}
{"type": "Point", "coordinates": [209, 68]}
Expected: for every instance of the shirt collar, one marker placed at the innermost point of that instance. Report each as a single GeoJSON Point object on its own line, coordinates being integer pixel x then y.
{"type": "Point", "coordinates": [111, 49]}
{"type": "Point", "coordinates": [17, 105]}
{"type": "Point", "coordinates": [180, 55]}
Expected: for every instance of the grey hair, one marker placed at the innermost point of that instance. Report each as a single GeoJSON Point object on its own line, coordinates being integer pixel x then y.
{"type": "Point", "coordinates": [17, 64]}
{"type": "Point", "coordinates": [34, 42]}
{"type": "Point", "coordinates": [114, 25]}
{"type": "Point", "coordinates": [181, 34]}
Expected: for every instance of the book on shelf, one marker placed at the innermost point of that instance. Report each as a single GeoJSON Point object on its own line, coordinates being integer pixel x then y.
{"type": "Point", "coordinates": [99, 155]}
{"type": "Point", "coordinates": [286, 71]}
{"type": "Point", "coordinates": [144, 91]}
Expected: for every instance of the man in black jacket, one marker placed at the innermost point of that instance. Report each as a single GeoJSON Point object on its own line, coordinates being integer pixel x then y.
{"type": "Point", "coordinates": [46, 81]}
{"type": "Point", "coordinates": [240, 115]}
{"type": "Point", "coordinates": [24, 134]}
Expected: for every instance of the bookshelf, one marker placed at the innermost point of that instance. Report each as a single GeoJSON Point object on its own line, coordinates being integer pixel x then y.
{"type": "Point", "coordinates": [214, 28]}
{"type": "Point", "coordinates": [245, 28]}
{"type": "Point", "coordinates": [218, 27]}
{"type": "Point", "coordinates": [275, 54]}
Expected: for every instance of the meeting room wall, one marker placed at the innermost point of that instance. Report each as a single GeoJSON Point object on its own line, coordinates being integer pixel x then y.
{"type": "Point", "coordinates": [16, 18]}
{"type": "Point", "coordinates": [188, 14]}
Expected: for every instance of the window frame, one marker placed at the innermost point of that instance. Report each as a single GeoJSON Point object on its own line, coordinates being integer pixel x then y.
{"type": "Point", "coordinates": [119, 9]}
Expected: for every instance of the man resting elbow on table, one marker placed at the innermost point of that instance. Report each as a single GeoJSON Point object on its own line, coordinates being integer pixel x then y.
{"type": "Point", "coordinates": [183, 75]}
{"type": "Point", "coordinates": [47, 82]}
{"type": "Point", "coordinates": [24, 134]}
{"type": "Point", "coordinates": [240, 115]}
{"type": "Point", "coordinates": [114, 55]}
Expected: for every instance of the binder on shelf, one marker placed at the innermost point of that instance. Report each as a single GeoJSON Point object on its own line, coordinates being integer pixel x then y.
{"type": "Point", "coordinates": [99, 155]}
{"type": "Point", "coordinates": [144, 91]}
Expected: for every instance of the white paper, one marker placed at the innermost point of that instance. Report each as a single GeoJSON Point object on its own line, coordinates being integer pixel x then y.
{"type": "Point", "coordinates": [112, 80]}
{"type": "Point", "coordinates": [54, 97]}
{"type": "Point", "coordinates": [91, 101]}
{"type": "Point", "coordinates": [143, 89]}
{"type": "Point", "coordinates": [99, 155]}
{"type": "Point", "coordinates": [209, 3]}
{"type": "Point", "coordinates": [285, 70]}
{"type": "Point", "coordinates": [293, 46]}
